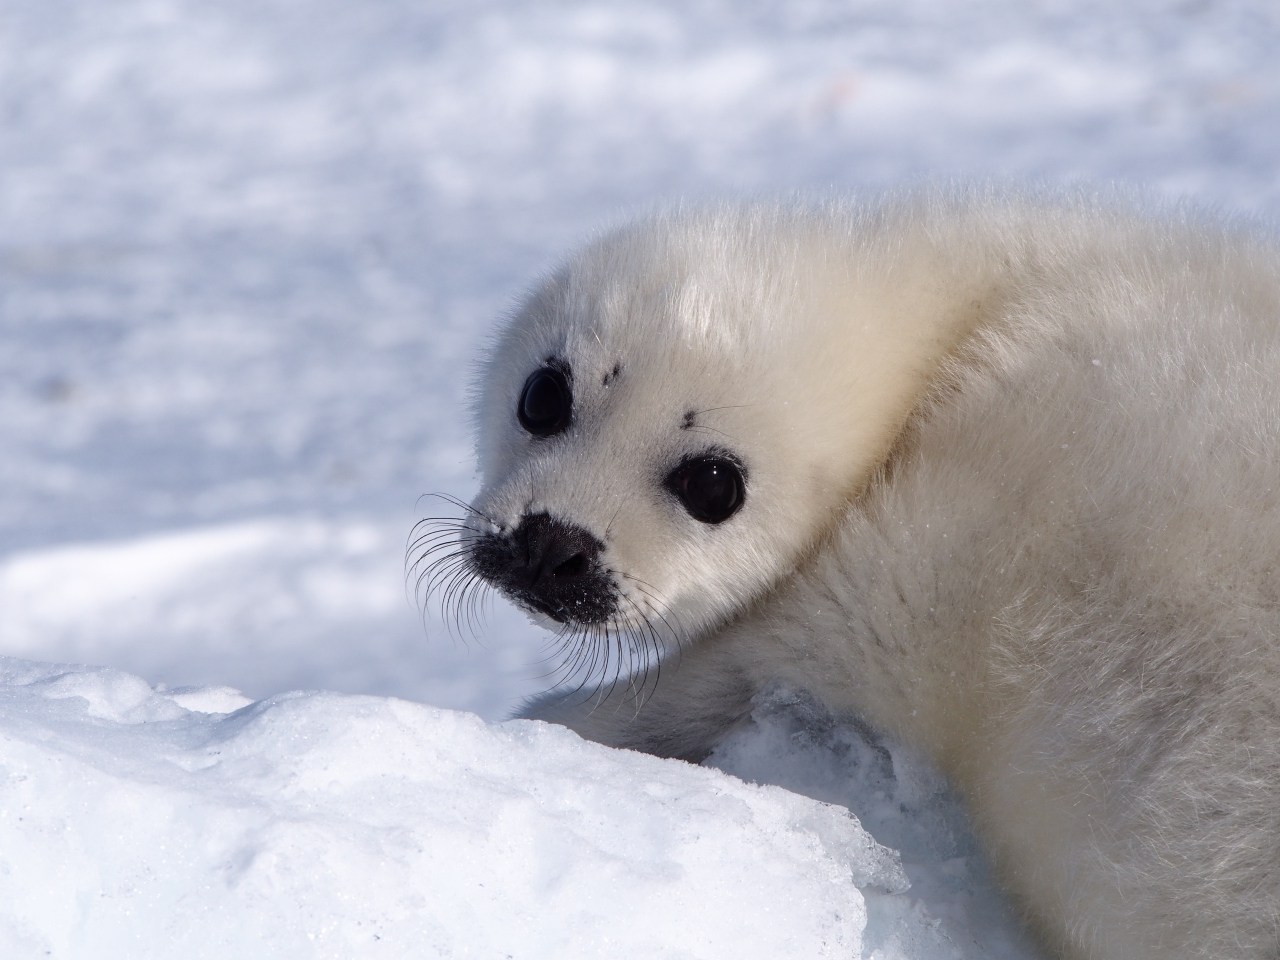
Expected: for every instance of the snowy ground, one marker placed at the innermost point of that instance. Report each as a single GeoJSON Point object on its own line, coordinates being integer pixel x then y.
{"type": "Point", "coordinates": [338, 826]}
{"type": "Point", "coordinates": [247, 251]}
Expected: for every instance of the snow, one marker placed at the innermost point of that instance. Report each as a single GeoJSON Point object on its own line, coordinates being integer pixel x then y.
{"type": "Point", "coordinates": [264, 605]}
{"type": "Point", "coordinates": [142, 824]}
{"type": "Point", "coordinates": [248, 251]}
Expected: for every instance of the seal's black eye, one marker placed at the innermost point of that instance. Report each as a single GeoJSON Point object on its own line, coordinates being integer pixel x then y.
{"type": "Point", "coordinates": [710, 487]}
{"type": "Point", "coordinates": [546, 402]}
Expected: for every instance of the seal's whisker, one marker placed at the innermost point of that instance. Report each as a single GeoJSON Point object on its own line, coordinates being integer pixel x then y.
{"type": "Point", "coordinates": [433, 575]}
{"type": "Point", "coordinates": [461, 505]}
{"type": "Point", "coordinates": [427, 542]}
{"type": "Point", "coordinates": [676, 631]}
{"type": "Point", "coordinates": [622, 654]}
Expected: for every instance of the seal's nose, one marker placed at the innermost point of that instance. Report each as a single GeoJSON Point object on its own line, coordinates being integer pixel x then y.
{"type": "Point", "coordinates": [555, 553]}
{"type": "Point", "coordinates": [551, 566]}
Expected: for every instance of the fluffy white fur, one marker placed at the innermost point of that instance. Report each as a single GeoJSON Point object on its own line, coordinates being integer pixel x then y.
{"type": "Point", "coordinates": [1013, 496]}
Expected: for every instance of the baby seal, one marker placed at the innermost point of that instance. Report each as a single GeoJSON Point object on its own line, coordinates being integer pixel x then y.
{"type": "Point", "coordinates": [999, 474]}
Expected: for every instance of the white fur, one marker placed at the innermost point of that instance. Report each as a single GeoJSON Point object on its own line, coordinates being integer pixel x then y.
{"type": "Point", "coordinates": [1013, 487]}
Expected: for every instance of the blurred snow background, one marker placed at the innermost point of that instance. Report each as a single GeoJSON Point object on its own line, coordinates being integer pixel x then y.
{"type": "Point", "coordinates": [249, 249]}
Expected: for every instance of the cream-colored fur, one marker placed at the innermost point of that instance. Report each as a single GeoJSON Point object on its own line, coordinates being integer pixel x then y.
{"type": "Point", "coordinates": [1013, 495]}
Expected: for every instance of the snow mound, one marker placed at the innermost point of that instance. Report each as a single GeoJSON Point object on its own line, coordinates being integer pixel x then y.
{"type": "Point", "coordinates": [955, 908]}
{"type": "Point", "coordinates": [139, 822]}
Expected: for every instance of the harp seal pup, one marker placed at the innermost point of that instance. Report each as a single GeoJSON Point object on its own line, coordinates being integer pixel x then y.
{"type": "Point", "coordinates": [998, 473]}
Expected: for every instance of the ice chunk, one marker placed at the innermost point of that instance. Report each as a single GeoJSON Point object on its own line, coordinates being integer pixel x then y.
{"type": "Point", "coordinates": [324, 825]}
{"type": "Point", "coordinates": [953, 909]}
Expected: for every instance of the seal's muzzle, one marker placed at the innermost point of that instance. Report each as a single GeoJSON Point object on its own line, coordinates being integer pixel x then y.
{"type": "Point", "coordinates": [551, 567]}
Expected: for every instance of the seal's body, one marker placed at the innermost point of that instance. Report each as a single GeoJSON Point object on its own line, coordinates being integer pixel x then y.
{"type": "Point", "coordinates": [1002, 476]}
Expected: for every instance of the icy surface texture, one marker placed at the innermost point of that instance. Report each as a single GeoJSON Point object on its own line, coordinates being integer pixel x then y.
{"type": "Point", "coordinates": [954, 908]}
{"type": "Point", "coordinates": [136, 823]}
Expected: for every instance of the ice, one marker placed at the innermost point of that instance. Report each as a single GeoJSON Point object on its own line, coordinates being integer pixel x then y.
{"type": "Point", "coordinates": [264, 606]}
{"type": "Point", "coordinates": [248, 251]}
{"type": "Point", "coordinates": [330, 825]}
{"type": "Point", "coordinates": [954, 908]}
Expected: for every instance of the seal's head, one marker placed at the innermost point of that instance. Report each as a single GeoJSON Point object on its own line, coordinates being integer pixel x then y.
{"type": "Point", "coordinates": [670, 422]}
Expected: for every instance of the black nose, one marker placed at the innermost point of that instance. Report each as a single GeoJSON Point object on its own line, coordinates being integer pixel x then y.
{"type": "Point", "coordinates": [553, 552]}
{"type": "Point", "coordinates": [550, 566]}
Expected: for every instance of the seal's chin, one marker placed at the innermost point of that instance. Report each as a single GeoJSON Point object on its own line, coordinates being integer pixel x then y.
{"type": "Point", "coordinates": [590, 607]}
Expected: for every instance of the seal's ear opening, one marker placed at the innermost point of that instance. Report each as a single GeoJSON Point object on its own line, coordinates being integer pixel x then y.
{"type": "Point", "coordinates": [711, 487]}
